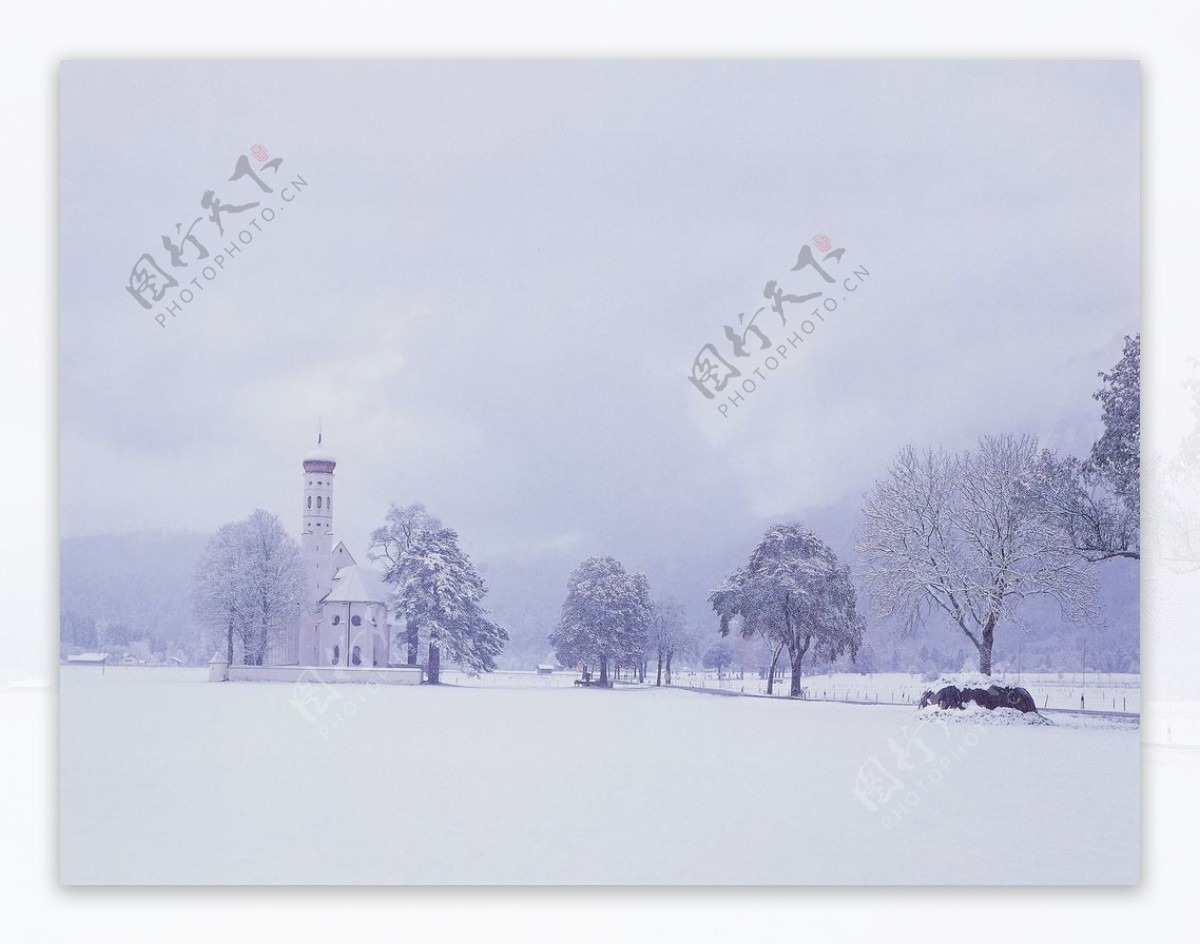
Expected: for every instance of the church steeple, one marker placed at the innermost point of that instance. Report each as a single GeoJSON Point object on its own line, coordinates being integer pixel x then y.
{"type": "Point", "coordinates": [316, 541]}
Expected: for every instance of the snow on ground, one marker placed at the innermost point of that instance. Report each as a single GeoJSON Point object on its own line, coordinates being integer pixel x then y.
{"type": "Point", "coordinates": [978, 715]}
{"type": "Point", "coordinates": [1172, 723]}
{"type": "Point", "coordinates": [509, 679]}
{"type": "Point", "coordinates": [1119, 692]}
{"type": "Point", "coordinates": [166, 778]}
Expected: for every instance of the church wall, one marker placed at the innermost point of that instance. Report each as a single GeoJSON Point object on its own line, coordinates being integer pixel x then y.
{"type": "Point", "coordinates": [338, 640]}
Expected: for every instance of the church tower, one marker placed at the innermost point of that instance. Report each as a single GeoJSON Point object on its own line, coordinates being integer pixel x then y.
{"type": "Point", "coordinates": [316, 545]}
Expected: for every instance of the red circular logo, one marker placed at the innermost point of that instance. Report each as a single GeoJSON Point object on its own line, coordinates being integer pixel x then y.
{"type": "Point", "coordinates": [821, 241]}
{"type": "Point", "coordinates": [260, 152]}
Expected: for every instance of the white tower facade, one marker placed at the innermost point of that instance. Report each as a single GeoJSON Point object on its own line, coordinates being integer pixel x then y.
{"type": "Point", "coordinates": [316, 547]}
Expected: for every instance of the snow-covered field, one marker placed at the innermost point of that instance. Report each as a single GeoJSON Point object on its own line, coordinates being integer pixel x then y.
{"type": "Point", "coordinates": [166, 778]}
{"type": "Point", "coordinates": [1108, 692]}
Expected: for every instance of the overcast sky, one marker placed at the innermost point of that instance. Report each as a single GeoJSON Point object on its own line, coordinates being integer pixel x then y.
{"type": "Point", "coordinates": [495, 282]}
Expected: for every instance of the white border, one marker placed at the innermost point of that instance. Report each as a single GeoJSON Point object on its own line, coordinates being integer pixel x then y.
{"type": "Point", "coordinates": [37, 36]}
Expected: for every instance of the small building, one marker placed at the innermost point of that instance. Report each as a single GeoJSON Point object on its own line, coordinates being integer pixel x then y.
{"type": "Point", "coordinates": [88, 659]}
{"type": "Point", "coordinates": [545, 669]}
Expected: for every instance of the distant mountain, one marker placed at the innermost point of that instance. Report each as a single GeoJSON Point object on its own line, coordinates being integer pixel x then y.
{"type": "Point", "coordinates": [130, 593]}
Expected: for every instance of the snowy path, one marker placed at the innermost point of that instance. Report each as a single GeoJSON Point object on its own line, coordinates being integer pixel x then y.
{"type": "Point", "coordinates": [192, 782]}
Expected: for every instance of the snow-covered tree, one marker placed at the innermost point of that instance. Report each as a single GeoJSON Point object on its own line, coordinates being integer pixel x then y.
{"type": "Point", "coordinates": [605, 618]}
{"type": "Point", "coordinates": [391, 543]}
{"type": "Point", "coordinates": [718, 657]}
{"type": "Point", "coordinates": [1099, 499]}
{"type": "Point", "coordinates": [794, 593]}
{"type": "Point", "coordinates": [970, 536]}
{"type": "Point", "coordinates": [437, 591]}
{"type": "Point", "coordinates": [1117, 456]}
{"type": "Point", "coordinates": [220, 597]}
{"type": "Point", "coordinates": [76, 631]}
{"type": "Point", "coordinates": [687, 648]}
{"type": "Point", "coordinates": [248, 584]}
{"type": "Point", "coordinates": [275, 576]}
{"type": "Point", "coordinates": [668, 635]}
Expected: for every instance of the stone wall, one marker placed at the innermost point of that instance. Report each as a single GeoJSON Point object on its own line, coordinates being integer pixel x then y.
{"type": "Point", "coordinates": [389, 676]}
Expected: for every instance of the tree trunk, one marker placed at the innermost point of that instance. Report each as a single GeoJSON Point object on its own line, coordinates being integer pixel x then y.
{"type": "Point", "coordinates": [985, 657]}
{"type": "Point", "coordinates": [658, 679]}
{"type": "Point", "coordinates": [604, 671]}
{"type": "Point", "coordinates": [668, 668]}
{"type": "Point", "coordinates": [797, 659]}
{"type": "Point", "coordinates": [771, 674]}
{"type": "Point", "coordinates": [435, 664]}
{"type": "Point", "coordinates": [985, 646]}
{"type": "Point", "coordinates": [229, 644]}
{"type": "Point", "coordinates": [264, 634]}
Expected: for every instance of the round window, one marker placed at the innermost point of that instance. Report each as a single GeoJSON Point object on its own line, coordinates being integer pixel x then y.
{"type": "Point", "coordinates": [356, 620]}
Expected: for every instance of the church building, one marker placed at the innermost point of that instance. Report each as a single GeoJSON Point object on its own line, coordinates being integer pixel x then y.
{"type": "Point", "coordinates": [343, 618]}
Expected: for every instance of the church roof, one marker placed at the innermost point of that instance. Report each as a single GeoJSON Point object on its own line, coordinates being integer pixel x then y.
{"type": "Point", "coordinates": [320, 454]}
{"type": "Point", "coordinates": [355, 584]}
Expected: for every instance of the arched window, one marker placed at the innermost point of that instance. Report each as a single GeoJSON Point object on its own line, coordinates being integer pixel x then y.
{"type": "Point", "coordinates": [318, 501]}
{"type": "Point", "coordinates": [329, 503]}
{"type": "Point", "coordinates": [337, 618]}
{"type": "Point", "coordinates": [356, 656]}
{"type": "Point", "coordinates": [310, 502]}
{"type": "Point", "coordinates": [337, 655]}
{"type": "Point", "coordinates": [356, 620]}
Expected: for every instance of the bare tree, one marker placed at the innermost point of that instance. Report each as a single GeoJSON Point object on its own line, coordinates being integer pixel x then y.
{"type": "Point", "coordinates": [686, 647]}
{"type": "Point", "coordinates": [668, 631]}
{"type": "Point", "coordinates": [969, 536]}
